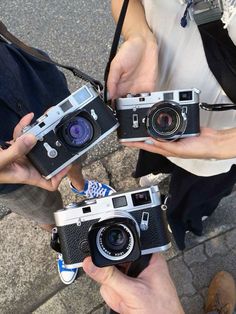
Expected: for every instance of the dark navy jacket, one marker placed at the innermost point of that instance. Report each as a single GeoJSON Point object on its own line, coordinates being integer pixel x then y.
{"type": "Point", "coordinates": [26, 85]}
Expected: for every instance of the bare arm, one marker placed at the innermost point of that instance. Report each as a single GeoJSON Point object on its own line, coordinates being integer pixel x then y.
{"type": "Point", "coordinates": [134, 68]}
{"type": "Point", "coordinates": [135, 22]}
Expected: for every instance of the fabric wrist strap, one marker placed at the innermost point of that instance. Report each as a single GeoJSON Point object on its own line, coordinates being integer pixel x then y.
{"type": "Point", "coordinates": [220, 53]}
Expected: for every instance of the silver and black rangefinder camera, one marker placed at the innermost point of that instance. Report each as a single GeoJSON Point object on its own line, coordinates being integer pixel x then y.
{"type": "Point", "coordinates": [66, 131]}
{"type": "Point", "coordinates": [115, 229]}
{"type": "Point", "coordinates": [163, 115]}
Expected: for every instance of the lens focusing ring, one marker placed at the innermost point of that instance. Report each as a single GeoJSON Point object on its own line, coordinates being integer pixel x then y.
{"type": "Point", "coordinates": [119, 251]}
{"type": "Point", "coordinates": [166, 120]}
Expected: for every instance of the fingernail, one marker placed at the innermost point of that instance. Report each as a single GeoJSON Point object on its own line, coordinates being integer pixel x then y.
{"type": "Point", "coordinates": [150, 142]}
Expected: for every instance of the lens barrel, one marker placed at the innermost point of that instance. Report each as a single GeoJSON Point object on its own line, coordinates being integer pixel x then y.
{"type": "Point", "coordinates": [166, 120]}
{"type": "Point", "coordinates": [115, 242]}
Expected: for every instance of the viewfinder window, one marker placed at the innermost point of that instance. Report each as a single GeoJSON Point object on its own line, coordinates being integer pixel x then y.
{"type": "Point", "coordinates": [141, 198]}
{"type": "Point", "coordinates": [119, 201]}
{"type": "Point", "coordinates": [66, 106]}
{"type": "Point", "coordinates": [168, 96]}
{"type": "Point", "coordinates": [185, 95]}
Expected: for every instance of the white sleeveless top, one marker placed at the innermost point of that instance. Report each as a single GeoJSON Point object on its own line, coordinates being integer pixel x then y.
{"type": "Point", "coordinates": [182, 64]}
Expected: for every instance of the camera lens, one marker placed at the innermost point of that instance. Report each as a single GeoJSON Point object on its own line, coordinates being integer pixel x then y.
{"type": "Point", "coordinates": [115, 242]}
{"type": "Point", "coordinates": [166, 120]}
{"type": "Point", "coordinates": [115, 237]}
{"type": "Point", "coordinates": [78, 132]}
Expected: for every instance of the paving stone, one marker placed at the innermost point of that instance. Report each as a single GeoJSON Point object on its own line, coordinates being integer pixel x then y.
{"type": "Point", "coordinates": [53, 305]}
{"type": "Point", "coordinates": [204, 272]}
{"type": "Point", "coordinates": [216, 246]}
{"type": "Point", "coordinates": [4, 210]}
{"type": "Point", "coordinates": [28, 273]}
{"type": "Point", "coordinates": [81, 297]}
{"type": "Point", "coordinates": [182, 277]}
{"type": "Point", "coordinates": [230, 238]}
{"type": "Point", "coordinates": [120, 165]}
{"type": "Point", "coordinates": [102, 310]}
{"type": "Point", "coordinates": [195, 255]}
{"type": "Point", "coordinates": [193, 305]}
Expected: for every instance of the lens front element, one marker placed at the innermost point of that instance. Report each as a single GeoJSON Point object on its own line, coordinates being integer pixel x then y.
{"type": "Point", "coordinates": [165, 120]}
{"type": "Point", "coordinates": [78, 131]}
{"type": "Point", "coordinates": [115, 242]}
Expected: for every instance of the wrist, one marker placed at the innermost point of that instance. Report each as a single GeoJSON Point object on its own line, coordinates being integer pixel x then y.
{"type": "Point", "coordinates": [225, 144]}
{"type": "Point", "coordinates": [145, 36]}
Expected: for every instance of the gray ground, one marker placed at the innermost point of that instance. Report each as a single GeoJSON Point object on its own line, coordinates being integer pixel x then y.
{"type": "Point", "coordinates": [80, 33]}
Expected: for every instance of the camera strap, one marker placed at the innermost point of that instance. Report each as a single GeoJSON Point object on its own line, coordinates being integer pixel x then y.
{"type": "Point", "coordinates": [6, 36]}
{"type": "Point", "coordinates": [54, 243]}
{"type": "Point", "coordinates": [115, 44]}
{"type": "Point", "coordinates": [219, 49]}
{"type": "Point", "coordinates": [217, 107]}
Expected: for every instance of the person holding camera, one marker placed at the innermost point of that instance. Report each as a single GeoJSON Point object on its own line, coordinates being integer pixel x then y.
{"type": "Point", "coordinates": [159, 54]}
{"type": "Point", "coordinates": [29, 87]}
{"type": "Point", "coordinates": [153, 291]}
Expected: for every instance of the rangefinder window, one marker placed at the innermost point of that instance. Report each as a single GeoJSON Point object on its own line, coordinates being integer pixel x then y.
{"type": "Point", "coordinates": [185, 96]}
{"type": "Point", "coordinates": [168, 96]}
{"type": "Point", "coordinates": [119, 201]}
{"type": "Point", "coordinates": [66, 106]}
{"type": "Point", "coordinates": [82, 96]}
{"type": "Point", "coordinates": [141, 198]}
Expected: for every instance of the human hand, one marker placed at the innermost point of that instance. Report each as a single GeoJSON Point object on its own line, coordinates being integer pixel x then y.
{"type": "Point", "coordinates": [15, 166]}
{"type": "Point", "coordinates": [134, 68]}
{"type": "Point", "coordinates": [218, 144]}
{"type": "Point", "coordinates": [151, 292]}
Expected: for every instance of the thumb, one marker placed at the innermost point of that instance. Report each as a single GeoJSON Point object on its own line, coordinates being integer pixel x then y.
{"type": "Point", "coordinates": [19, 148]}
{"type": "Point", "coordinates": [109, 276]}
{"type": "Point", "coordinates": [22, 123]}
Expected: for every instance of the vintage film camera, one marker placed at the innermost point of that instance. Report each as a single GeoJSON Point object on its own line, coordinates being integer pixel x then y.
{"type": "Point", "coordinates": [66, 131]}
{"type": "Point", "coordinates": [163, 115]}
{"type": "Point", "coordinates": [114, 229]}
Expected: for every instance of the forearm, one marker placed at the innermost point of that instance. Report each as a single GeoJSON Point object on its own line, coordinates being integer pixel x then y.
{"type": "Point", "coordinates": [135, 24]}
{"type": "Point", "coordinates": [225, 144]}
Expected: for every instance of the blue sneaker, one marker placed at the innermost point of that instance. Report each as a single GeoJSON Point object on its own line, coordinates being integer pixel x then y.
{"type": "Point", "coordinates": [93, 189]}
{"type": "Point", "coordinates": [66, 275]}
